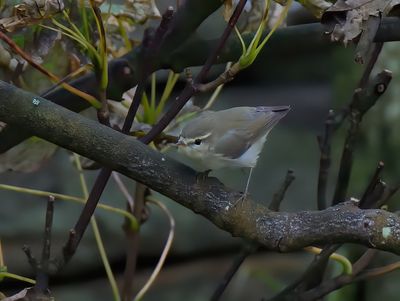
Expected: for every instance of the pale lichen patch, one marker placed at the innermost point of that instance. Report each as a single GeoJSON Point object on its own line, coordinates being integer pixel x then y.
{"type": "Point", "coordinates": [386, 232]}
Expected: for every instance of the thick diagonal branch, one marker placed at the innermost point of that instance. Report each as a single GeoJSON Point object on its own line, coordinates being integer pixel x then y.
{"type": "Point", "coordinates": [279, 231]}
{"type": "Point", "coordinates": [191, 52]}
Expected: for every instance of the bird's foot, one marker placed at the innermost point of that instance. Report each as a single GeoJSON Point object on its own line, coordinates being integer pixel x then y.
{"type": "Point", "coordinates": [202, 176]}
{"type": "Point", "coordinates": [240, 200]}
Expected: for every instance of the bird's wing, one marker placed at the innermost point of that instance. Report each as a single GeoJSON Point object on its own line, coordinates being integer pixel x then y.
{"type": "Point", "coordinates": [232, 145]}
{"type": "Point", "coordinates": [235, 142]}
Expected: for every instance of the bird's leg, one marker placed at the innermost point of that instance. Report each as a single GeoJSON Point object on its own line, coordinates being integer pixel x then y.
{"type": "Point", "coordinates": [248, 183]}
{"type": "Point", "coordinates": [246, 190]}
{"type": "Point", "coordinates": [201, 176]}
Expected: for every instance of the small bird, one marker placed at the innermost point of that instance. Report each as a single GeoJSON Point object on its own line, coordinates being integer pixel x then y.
{"type": "Point", "coordinates": [229, 138]}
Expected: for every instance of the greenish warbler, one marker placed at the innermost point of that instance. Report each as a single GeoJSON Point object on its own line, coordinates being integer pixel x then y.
{"type": "Point", "coordinates": [229, 138]}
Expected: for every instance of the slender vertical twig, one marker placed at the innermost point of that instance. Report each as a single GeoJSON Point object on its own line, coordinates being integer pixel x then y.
{"type": "Point", "coordinates": [248, 249]}
{"type": "Point", "coordinates": [165, 251]}
{"type": "Point", "coordinates": [133, 242]}
{"type": "Point", "coordinates": [97, 235]}
{"type": "Point", "coordinates": [363, 100]}
{"type": "Point", "coordinates": [325, 159]}
{"type": "Point", "coordinates": [42, 267]}
{"type": "Point", "coordinates": [310, 278]}
{"type": "Point", "coordinates": [42, 277]}
{"type": "Point", "coordinates": [280, 194]}
{"type": "Point", "coordinates": [374, 180]}
{"type": "Point", "coordinates": [101, 181]}
{"type": "Point", "coordinates": [364, 97]}
{"type": "Point", "coordinates": [190, 88]}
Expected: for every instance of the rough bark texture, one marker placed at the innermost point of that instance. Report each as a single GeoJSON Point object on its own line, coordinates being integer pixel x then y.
{"type": "Point", "coordinates": [182, 48]}
{"type": "Point", "coordinates": [279, 231]}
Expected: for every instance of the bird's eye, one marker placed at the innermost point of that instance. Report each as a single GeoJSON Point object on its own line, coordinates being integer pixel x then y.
{"type": "Point", "coordinates": [197, 141]}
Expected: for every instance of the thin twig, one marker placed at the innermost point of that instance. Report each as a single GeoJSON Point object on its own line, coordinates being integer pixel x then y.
{"type": "Point", "coordinates": [389, 192]}
{"type": "Point", "coordinates": [365, 89]}
{"type": "Point", "coordinates": [217, 91]}
{"type": "Point", "coordinates": [374, 180]}
{"type": "Point", "coordinates": [248, 249]}
{"type": "Point", "coordinates": [190, 88]}
{"type": "Point", "coordinates": [101, 69]}
{"type": "Point", "coordinates": [363, 100]}
{"type": "Point", "coordinates": [151, 47]}
{"type": "Point", "coordinates": [310, 278]}
{"type": "Point", "coordinates": [280, 194]}
{"type": "Point", "coordinates": [124, 190]}
{"type": "Point", "coordinates": [165, 251]}
{"type": "Point", "coordinates": [132, 243]}
{"type": "Point", "coordinates": [97, 235]}
{"type": "Point", "coordinates": [186, 94]}
{"type": "Point", "coordinates": [343, 280]}
{"type": "Point", "coordinates": [59, 196]}
{"type": "Point", "coordinates": [376, 50]}
{"type": "Point", "coordinates": [325, 159]}
{"type": "Point", "coordinates": [105, 173]}
{"type": "Point", "coordinates": [342, 260]}
{"type": "Point", "coordinates": [368, 274]}
{"type": "Point", "coordinates": [79, 229]}
{"type": "Point", "coordinates": [66, 78]}
{"type": "Point", "coordinates": [31, 259]}
{"type": "Point", "coordinates": [372, 199]}
{"type": "Point", "coordinates": [93, 101]}
{"type": "Point", "coordinates": [47, 230]}
{"type": "Point", "coordinates": [42, 282]}
{"type": "Point", "coordinates": [1, 255]}
{"type": "Point", "coordinates": [366, 45]}
{"type": "Point", "coordinates": [363, 262]}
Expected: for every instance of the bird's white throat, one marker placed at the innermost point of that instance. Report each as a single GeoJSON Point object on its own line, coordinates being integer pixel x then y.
{"type": "Point", "coordinates": [204, 158]}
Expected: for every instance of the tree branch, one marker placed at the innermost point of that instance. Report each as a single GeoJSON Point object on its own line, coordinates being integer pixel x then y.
{"type": "Point", "coordinates": [363, 100]}
{"type": "Point", "coordinates": [279, 231]}
{"type": "Point", "coordinates": [191, 51]}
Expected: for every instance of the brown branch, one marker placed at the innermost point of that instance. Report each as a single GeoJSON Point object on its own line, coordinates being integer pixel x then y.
{"type": "Point", "coordinates": [372, 200]}
{"type": "Point", "coordinates": [42, 277]}
{"type": "Point", "coordinates": [366, 45]}
{"type": "Point", "coordinates": [363, 100]}
{"type": "Point", "coordinates": [150, 49]}
{"type": "Point", "coordinates": [363, 262]}
{"type": "Point", "coordinates": [42, 267]}
{"type": "Point", "coordinates": [223, 78]}
{"type": "Point", "coordinates": [132, 248]}
{"type": "Point", "coordinates": [390, 191]}
{"type": "Point", "coordinates": [359, 274]}
{"type": "Point", "coordinates": [376, 50]}
{"type": "Point", "coordinates": [191, 87]}
{"type": "Point", "coordinates": [325, 159]}
{"type": "Point", "coordinates": [248, 249]}
{"type": "Point", "coordinates": [310, 278]}
{"type": "Point", "coordinates": [343, 223]}
{"type": "Point", "coordinates": [280, 194]}
{"type": "Point", "coordinates": [44, 71]}
{"type": "Point", "coordinates": [103, 113]}
{"type": "Point", "coordinates": [179, 51]}
{"type": "Point", "coordinates": [373, 182]}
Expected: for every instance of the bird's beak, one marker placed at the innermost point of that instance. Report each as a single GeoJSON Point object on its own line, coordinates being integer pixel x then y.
{"type": "Point", "coordinates": [180, 143]}
{"type": "Point", "coordinates": [281, 109]}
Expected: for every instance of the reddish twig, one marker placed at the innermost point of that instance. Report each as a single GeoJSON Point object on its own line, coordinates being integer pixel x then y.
{"type": "Point", "coordinates": [190, 88]}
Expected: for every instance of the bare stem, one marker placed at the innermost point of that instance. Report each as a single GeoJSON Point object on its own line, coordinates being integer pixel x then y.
{"type": "Point", "coordinates": [280, 194]}
{"type": "Point", "coordinates": [363, 100]}
{"type": "Point", "coordinates": [191, 88]}
{"type": "Point", "coordinates": [248, 249]}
